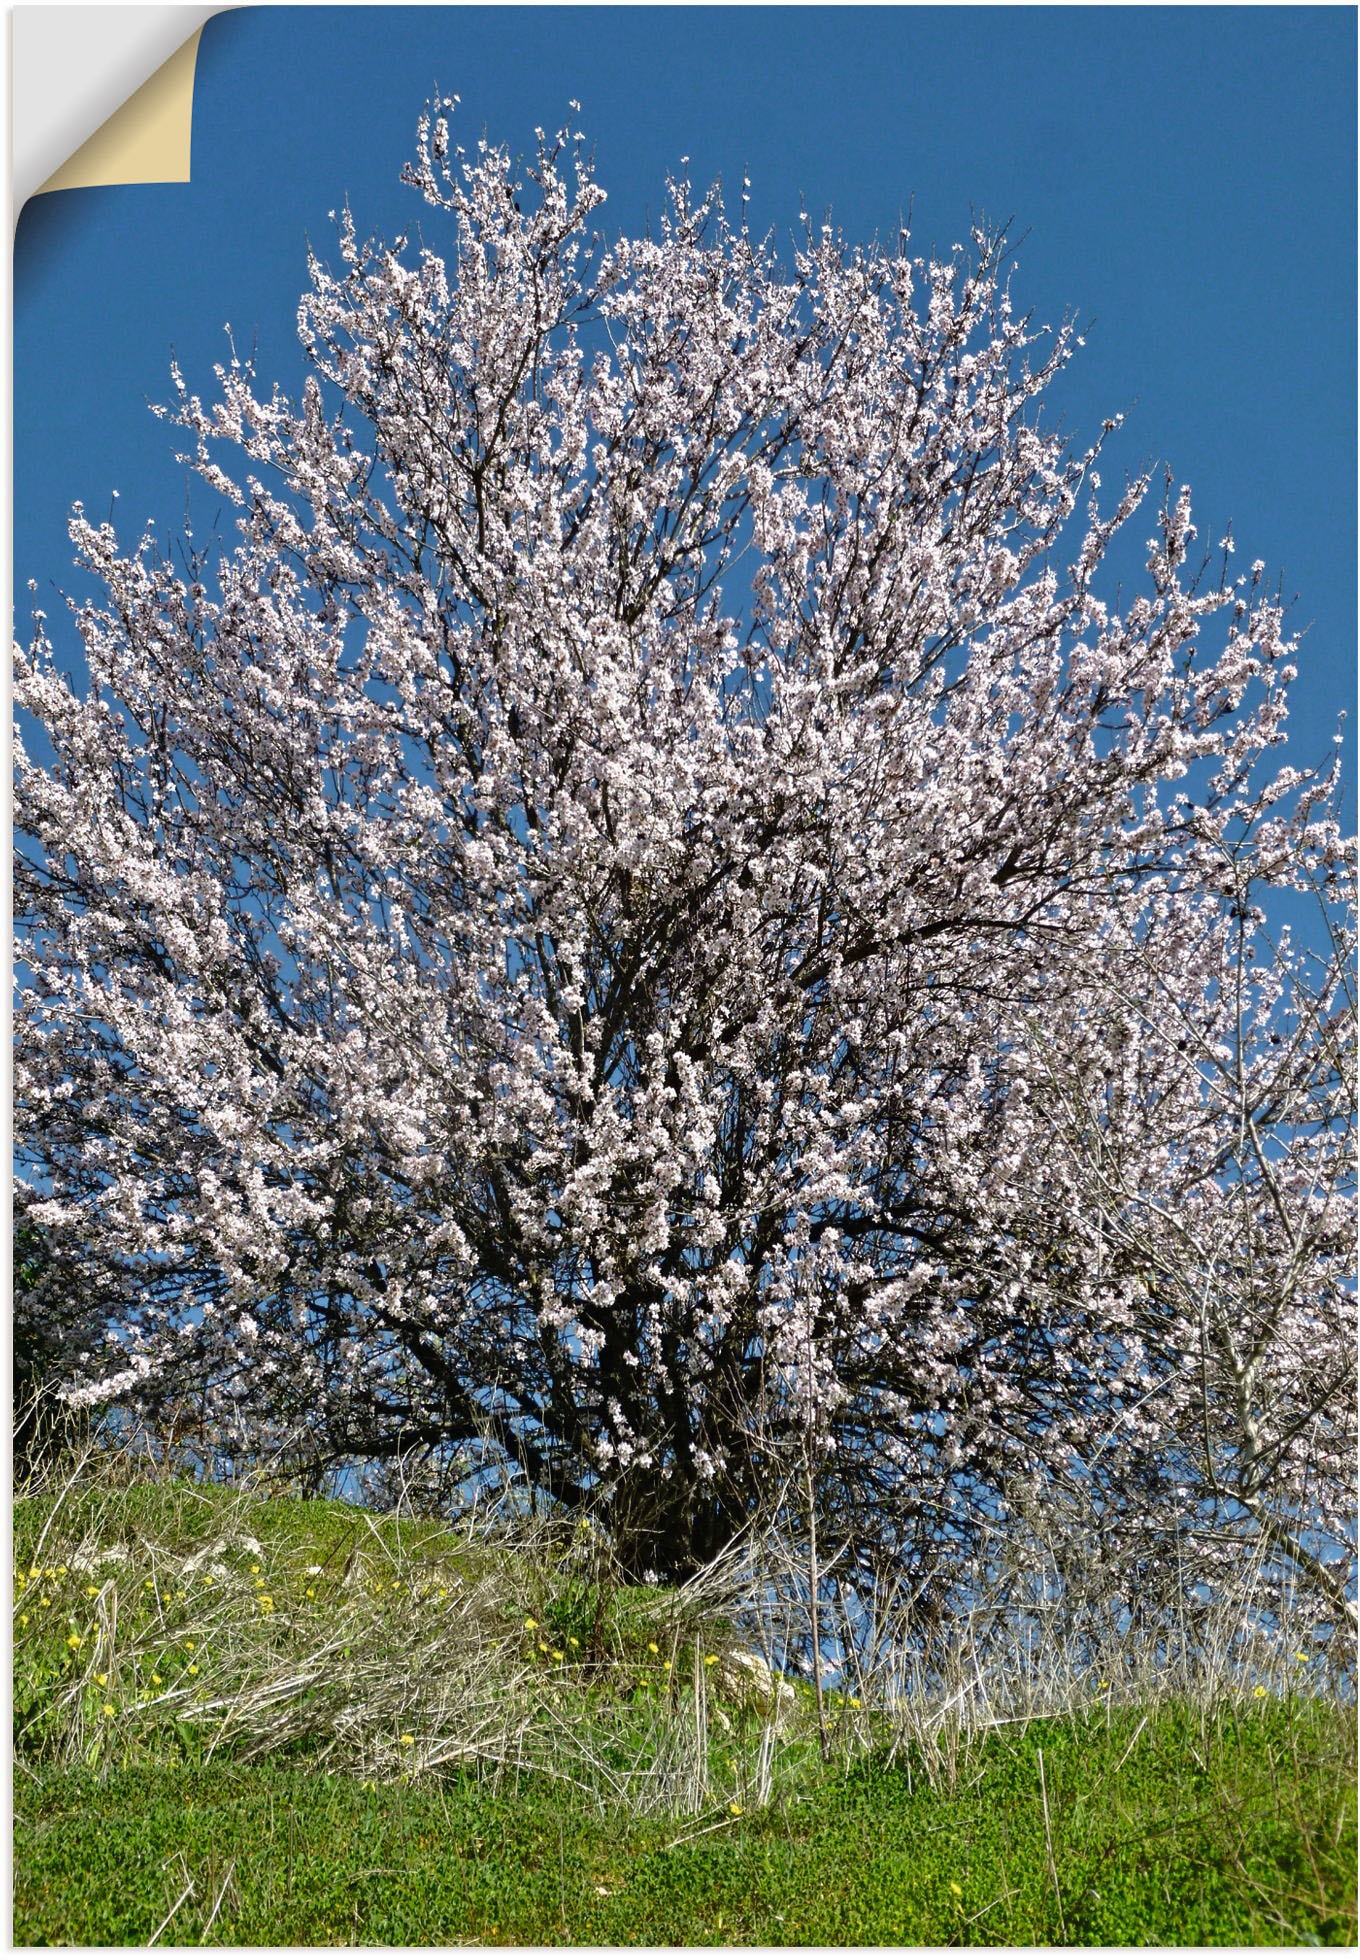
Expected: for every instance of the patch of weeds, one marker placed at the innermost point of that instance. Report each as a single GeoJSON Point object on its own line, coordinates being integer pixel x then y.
{"type": "Point", "coordinates": [1168, 1831]}
{"type": "Point", "coordinates": [288, 1722]}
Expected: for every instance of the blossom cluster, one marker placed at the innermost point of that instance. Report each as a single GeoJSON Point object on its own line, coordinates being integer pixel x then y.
{"type": "Point", "coordinates": [651, 915]}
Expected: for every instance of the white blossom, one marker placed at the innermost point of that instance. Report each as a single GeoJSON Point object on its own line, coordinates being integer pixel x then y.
{"type": "Point", "coordinates": [638, 921]}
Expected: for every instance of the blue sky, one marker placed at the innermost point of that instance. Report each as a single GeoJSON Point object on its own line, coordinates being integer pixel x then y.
{"type": "Point", "coordinates": [1183, 179]}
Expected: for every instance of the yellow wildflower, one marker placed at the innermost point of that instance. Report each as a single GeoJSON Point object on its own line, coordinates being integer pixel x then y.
{"type": "Point", "coordinates": [735, 1809]}
{"type": "Point", "coordinates": [957, 1890]}
{"type": "Point", "coordinates": [91, 1592]}
{"type": "Point", "coordinates": [44, 1601]}
{"type": "Point", "coordinates": [408, 1742]}
{"type": "Point", "coordinates": [193, 1667]}
{"type": "Point", "coordinates": [207, 1578]}
{"type": "Point", "coordinates": [652, 1647]}
{"type": "Point", "coordinates": [23, 1619]}
{"type": "Point", "coordinates": [572, 1641]}
{"type": "Point", "coordinates": [558, 1655]}
{"type": "Point", "coordinates": [109, 1708]}
{"type": "Point", "coordinates": [311, 1592]}
{"type": "Point", "coordinates": [710, 1660]}
{"type": "Point", "coordinates": [155, 1680]}
{"type": "Point", "coordinates": [1258, 1691]}
{"type": "Point", "coordinates": [531, 1626]}
{"type": "Point", "coordinates": [73, 1641]}
{"type": "Point", "coordinates": [102, 1679]}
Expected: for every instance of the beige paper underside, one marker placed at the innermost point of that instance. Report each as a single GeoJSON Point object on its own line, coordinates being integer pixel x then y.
{"type": "Point", "coordinates": [147, 140]}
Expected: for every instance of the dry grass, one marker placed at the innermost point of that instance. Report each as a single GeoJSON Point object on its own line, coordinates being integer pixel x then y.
{"type": "Point", "coordinates": [166, 1620]}
{"type": "Point", "coordinates": [209, 1621]}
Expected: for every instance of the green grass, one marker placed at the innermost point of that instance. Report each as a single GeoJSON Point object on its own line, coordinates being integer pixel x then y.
{"type": "Point", "coordinates": [269, 1721]}
{"type": "Point", "coordinates": [1190, 1829]}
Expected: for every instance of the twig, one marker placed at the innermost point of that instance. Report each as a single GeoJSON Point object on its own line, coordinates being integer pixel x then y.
{"type": "Point", "coordinates": [814, 1584]}
{"type": "Point", "coordinates": [1100, 1780]}
{"type": "Point", "coordinates": [1129, 1751]}
{"type": "Point", "coordinates": [1000, 1899]}
{"type": "Point", "coordinates": [222, 1893]}
{"type": "Point", "coordinates": [170, 1915]}
{"type": "Point", "coordinates": [1048, 1841]}
{"type": "Point", "coordinates": [723, 1824]}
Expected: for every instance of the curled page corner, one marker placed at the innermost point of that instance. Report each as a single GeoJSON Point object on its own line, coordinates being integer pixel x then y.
{"type": "Point", "coordinates": [102, 95]}
{"type": "Point", "coordinates": [147, 141]}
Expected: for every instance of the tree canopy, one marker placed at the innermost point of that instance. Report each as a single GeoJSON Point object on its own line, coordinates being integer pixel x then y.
{"type": "Point", "coordinates": [660, 920]}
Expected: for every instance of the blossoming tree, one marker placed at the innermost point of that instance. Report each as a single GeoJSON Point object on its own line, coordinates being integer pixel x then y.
{"type": "Point", "coordinates": [651, 920]}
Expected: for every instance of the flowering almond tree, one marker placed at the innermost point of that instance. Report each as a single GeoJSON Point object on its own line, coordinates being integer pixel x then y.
{"type": "Point", "coordinates": [1203, 1107]}
{"type": "Point", "coordinates": [612, 932]}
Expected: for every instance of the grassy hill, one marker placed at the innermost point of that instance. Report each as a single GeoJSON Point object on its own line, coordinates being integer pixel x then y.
{"type": "Point", "coordinates": [246, 1720]}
